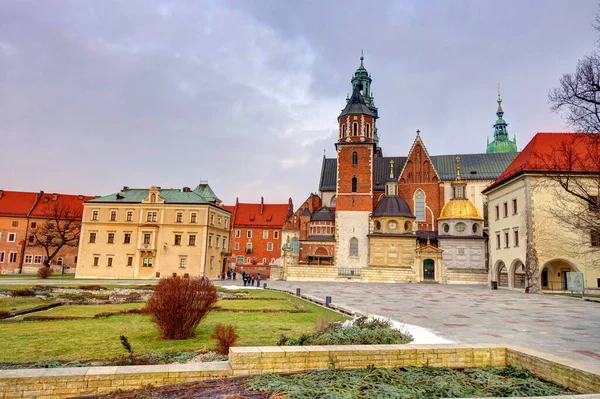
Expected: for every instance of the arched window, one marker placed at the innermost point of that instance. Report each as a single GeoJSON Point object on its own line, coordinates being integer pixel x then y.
{"type": "Point", "coordinates": [355, 158]}
{"type": "Point", "coordinates": [153, 198]}
{"type": "Point", "coordinates": [355, 129]}
{"type": "Point", "coordinates": [333, 201]}
{"type": "Point", "coordinates": [368, 129]}
{"type": "Point", "coordinates": [353, 247]}
{"type": "Point", "coordinates": [354, 184]}
{"type": "Point", "coordinates": [420, 205]}
{"type": "Point", "coordinates": [343, 130]}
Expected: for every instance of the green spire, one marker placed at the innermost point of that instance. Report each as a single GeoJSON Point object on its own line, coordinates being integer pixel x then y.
{"type": "Point", "coordinates": [363, 80]}
{"type": "Point", "coordinates": [501, 142]}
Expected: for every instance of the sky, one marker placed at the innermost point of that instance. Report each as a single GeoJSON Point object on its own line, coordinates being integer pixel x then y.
{"type": "Point", "coordinates": [96, 95]}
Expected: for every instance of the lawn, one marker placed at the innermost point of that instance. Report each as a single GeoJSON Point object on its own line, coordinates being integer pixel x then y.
{"type": "Point", "coordinates": [87, 310]}
{"type": "Point", "coordinates": [99, 338]}
{"type": "Point", "coordinates": [21, 303]}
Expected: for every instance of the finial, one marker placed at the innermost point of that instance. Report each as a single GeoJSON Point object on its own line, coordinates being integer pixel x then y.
{"type": "Point", "coordinates": [362, 57]}
{"type": "Point", "coordinates": [324, 152]}
{"type": "Point", "coordinates": [499, 100]}
{"type": "Point", "coordinates": [418, 132]}
{"type": "Point", "coordinates": [457, 167]}
{"type": "Point", "coordinates": [391, 168]}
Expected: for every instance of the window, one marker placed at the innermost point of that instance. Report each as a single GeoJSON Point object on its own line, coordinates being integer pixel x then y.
{"type": "Point", "coordinates": [333, 201]}
{"type": "Point", "coordinates": [152, 216]}
{"type": "Point", "coordinates": [354, 184]}
{"type": "Point", "coordinates": [94, 215]}
{"type": "Point", "coordinates": [497, 212]}
{"type": "Point", "coordinates": [210, 239]}
{"type": "Point", "coordinates": [193, 217]}
{"type": "Point", "coordinates": [343, 130]}
{"type": "Point", "coordinates": [272, 260]}
{"type": "Point", "coordinates": [355, 129]}
{"type": "Point", "coordinates": [514, 203]}
{"type": "Point", "coordinates": [212, 261]}
{"type": "Point", "coordinates": [226, 222]}
{"type": "Point", "coordinates": [50, 225]}
{"type": "Point", "coordinates": [595, 237]}
{"type": "Point", "coordinates": [37, 259]}
{"type": "Point", "coordinates": [276, 234]}
{"type": "Point", "coordinates": [220, 219]}
{"type": "Point", "coordinates": [264, 261]}
{"type": "Point", "coordinates": [238, 234]}
{"type": "Point", "coordinates": [420, 205]}
{"type": "Point", "coordinates": [269, 246]}
{"type": "Point", "coordinates": [368, 130]}
{"type": "Point", "coordinates": [179, 218]}
{"type": "Point", "coordinates": [109, 261]}
{"type": "Point", "coordinates": [1, 257]}
{"type": "Point", "coordinates": [239, 259]}
{"type": "Point", "coordinates": [113, 216]}
{"type": "Point", "coordinates": [236, 246]}
{"type": "Point", "coordinates": [75, 260]}
{"type": "Point", "coordinates": [129, 216]}
{"type": "Point", "coordinates": [354, 247]}
{"type": "Point", "coordinates": [182, 262]}
{"type": "Point", "coordinates": [59, 261]}
{"type": "Point", "coordinates": [249, 248]}
{"type": "Point", "coordinates": [12, 237]}
{"type": "Point", "coordinates": [497, 240]}
{"type": "Point", "coordinates": [516, 236]}
{"type": "Point", "coordinates": [130, 261]}
{"type": "Point", "coordinates": [248, 260]}
{"type": "Point", "coordinates": [177, 239]}
{"type": "Point", "coordinates": [506, 239]}
{"type": "Point", "coordinates": [505, 209]}
{"type": "Point", "coordinates": [92, 237]}
{"type": "Point", "coordinates": [127, 238]}
{"type": "Point", "coordinates": [265, 234]}
{"type": "Point", "coordinates": [217, 241]}
{"type": "Point", "coordinates": [28, 258]}
{"type": "Point", "coordinates": [355, 158]}
{"type": "Point", "coordinates": [15, 224]}
{"type": "Point", "coordinates": [192, 239]}
{"type": "Point", "coordinates": [33, 225]}
{"type": "Point", "coordinates": [224, 242]}
{"type": "Point", "coordinates": [44, 259]}
{"type": "Point", "coordinates": [147, 262]}
{"type": "Point", "coordinates": [147, 237]}
{"type": "Point", "coordinates": [111, 238]}
{"type": "Point", "coordinates": [249, 234]}
{"type": "Point", "coordinates": [96, 261]}
{"type": "Point", "coordinates": [212, 219]}
{"type": "Point", "coordinates": [31, 238]}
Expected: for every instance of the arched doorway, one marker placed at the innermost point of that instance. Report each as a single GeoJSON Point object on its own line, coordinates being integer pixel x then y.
{"type": "Point", "coordinates": [501, 274]}
{"type": "Point", "coordinates": [553, 275]}
{"type": "Point", "coordinates": [518, 274]}
{"type": "Point", "coordinates": [428, 269]}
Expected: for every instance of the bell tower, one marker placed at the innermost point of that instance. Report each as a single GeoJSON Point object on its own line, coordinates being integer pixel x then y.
{"type": "Point", "coordinates": [356, 147]}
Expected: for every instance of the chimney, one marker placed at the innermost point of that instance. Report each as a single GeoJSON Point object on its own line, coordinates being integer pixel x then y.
{"type": "Point", "coordinates": [54, 196]}
{"type": "Point", "coordinates": [1, 193]}
{"type": "Point", "coordinates": [262, 205]}
{"type": "Point", "coordinates": [186, 189]}
{"type": "Point", "coordinates": [125, 188]}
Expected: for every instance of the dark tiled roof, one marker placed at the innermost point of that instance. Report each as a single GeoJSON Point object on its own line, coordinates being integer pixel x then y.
{"type": "Point", "coordinates": [305, 212]}
{"type": "Point", "coordinates": [320, 238]}
{"type": "Point", "coordinates": [356, 105]}
{"type": "Point", "coordinates": [323, 214]}
{"type": "Point", "coordinates": [392, 205]}
{"type": "Point", "coordinates": [473, 167]}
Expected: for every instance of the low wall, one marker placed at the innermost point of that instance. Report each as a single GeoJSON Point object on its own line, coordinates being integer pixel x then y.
{"type": "Point", "coordinates": [69, 382]}
{"type": "Point", "coordinates": [264, 270]}
{"type": "Point", "coordinates": [382, 274]}
{"type": "Point", "coordinates": [466, 276]}
{"type": "Point", "coordinates": [311, 273]}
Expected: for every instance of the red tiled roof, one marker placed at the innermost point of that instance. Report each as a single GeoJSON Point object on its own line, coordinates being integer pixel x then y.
{"type": "Point", "coordinates": [556, 152]}
{"type": "Point", "coordinates": [46, 203]}
{"type": "Point", "coordinates": [273, 215]}
{"type": "Point", "coordinates": [16, 203]}
{"type": "Point", "coordinates": [230, 208]}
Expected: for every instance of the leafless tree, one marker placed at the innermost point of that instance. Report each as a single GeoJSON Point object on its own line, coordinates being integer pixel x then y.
{"type": "Point", "coordinates": [61, 229]}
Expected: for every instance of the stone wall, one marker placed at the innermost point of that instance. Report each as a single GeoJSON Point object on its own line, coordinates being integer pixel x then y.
{"type": "Point", "coordinates": [352, 224]}
{"type": "Point", "coordinates": [465, 276]}
{"type": "Point", "coordinates": [312, 273]}
{"type": "Point", "coordinates": [385, 274]}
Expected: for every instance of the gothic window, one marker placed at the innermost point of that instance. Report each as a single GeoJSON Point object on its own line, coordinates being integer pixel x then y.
{"type": "Point", "coordinates": [420, 205]}
{"type": "Point", "coordinates": [353, 247]}
{"type": "Point", "coordinates": [354, 184]}
{"type": "Point", "coordinates": [355, 129]}
{"type": "Point", "coordinates": [354, 158]}
{"type": "Point", "coordinates": [333, 200]}
{"type": "Point", "coordinates": [368, 130]}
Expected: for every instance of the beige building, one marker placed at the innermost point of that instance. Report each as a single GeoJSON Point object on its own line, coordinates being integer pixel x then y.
{"type": "Point", "coordinates": [153, 233]}
{"type": "Point", "coordinates": [524, 210]}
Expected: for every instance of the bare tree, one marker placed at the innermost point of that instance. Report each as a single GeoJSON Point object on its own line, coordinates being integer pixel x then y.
{"type": "Point", "coordinates": [61, 229]}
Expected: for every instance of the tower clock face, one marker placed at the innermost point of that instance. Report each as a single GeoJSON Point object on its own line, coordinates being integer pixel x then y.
{"type": "Point", "coordinates": [392, 225]}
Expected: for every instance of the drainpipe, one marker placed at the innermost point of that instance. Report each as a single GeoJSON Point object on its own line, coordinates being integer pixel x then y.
{"type": "Point", "coordinates": [22, 257]}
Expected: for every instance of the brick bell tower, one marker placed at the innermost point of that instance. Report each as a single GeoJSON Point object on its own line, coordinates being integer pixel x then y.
{"type": "Point", "coordinates": [356, 147]}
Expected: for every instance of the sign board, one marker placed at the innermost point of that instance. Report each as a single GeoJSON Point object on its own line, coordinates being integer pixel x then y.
{"type": "Point", "coordinates": [575, 281]}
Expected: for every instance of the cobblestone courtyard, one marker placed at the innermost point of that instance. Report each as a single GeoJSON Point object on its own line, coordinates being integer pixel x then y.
{"type": "Point", "coordinates": [564, 326]}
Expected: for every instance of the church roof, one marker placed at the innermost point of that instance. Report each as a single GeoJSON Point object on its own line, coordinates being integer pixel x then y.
{"type": "Point", "coordinates": [474, 167]}
{"type": "Point", "coordinates": [356, 105]}
{"type": "Point", "coordinates": [459, 208]}
{"type": "Point", "coordinates": [323, 215]}
{"type": "Point", "coordinates": [392, 205]}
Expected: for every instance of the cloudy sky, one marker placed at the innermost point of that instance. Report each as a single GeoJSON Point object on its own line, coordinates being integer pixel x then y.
{"type": "Point", "coordinates": [95, 95]}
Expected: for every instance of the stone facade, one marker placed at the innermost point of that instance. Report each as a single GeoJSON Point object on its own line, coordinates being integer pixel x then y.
{"type": "Point", "coordinates": [352, 225]}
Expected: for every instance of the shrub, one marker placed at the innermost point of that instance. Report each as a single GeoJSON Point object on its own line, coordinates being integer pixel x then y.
{"type": "Point", "coordinates": [225, 336]}
{"type": "Point", "coordinates": [23, 292]}
{"type": "Point", "coordinates": [44, 272]}
{"type": "Point", "coordinates": [126, 345]}
{"type": "Point", "coordinates": [4, 314]}
{"type": "Point", "coordinates": [91, 287]}
{"type": "Point", "coordinates": [178, 305]}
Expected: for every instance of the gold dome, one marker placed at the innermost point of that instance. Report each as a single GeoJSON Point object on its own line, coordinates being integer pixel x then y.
{"type": "Point", "coordinates": [459, 208]}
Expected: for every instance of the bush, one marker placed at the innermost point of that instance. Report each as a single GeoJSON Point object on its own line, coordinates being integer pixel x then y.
{"type": "Point", "coordinates": [225, 336]}
{"type": "Point", "coordinates": [178, 305]}
{"type": "Point", "coordinates": [44, 272]}
{"type": "Point", "coordinates": [91, 287]}
{"type": "Point", "coordinates": [4, 314]}
{"type": "Point", "coordinates": [23, 292]}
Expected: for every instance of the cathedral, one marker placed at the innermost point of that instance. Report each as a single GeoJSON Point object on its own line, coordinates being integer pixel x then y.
{"type": "Point", "coordinates": [413, 218]}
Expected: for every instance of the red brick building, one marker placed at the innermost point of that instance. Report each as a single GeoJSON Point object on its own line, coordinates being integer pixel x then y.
{"type": "Point", "coordinates": [20, 212]}
{"type": "Point", "coordinates": [256, 232]}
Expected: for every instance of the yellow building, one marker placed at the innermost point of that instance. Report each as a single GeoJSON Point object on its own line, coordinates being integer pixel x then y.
{"type": "Point", "coordinates": [153, 233]}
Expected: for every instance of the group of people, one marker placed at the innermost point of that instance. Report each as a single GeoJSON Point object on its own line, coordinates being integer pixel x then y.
{"type": "Point", "coordinates": [249, 279]}
{"type": "Point", "coordinates": [230, 275]}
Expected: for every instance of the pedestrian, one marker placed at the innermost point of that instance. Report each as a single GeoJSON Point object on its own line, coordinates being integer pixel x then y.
{"type": "Point", "coordinates": [253, 279]}
{"type": "Point", "coordinates": [244, 278]}
{"type": "Point", "coordinates": [234, 273]}
{"type": "Point", "coordinates": [228, 274]}
{"type": "Point", "coordinates": [258, 280]}
{"type": "Point", "coordinates": [223, 276]}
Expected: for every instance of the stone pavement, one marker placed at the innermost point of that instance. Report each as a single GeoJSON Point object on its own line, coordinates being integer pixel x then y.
{"type": "Point", "coordinates": [567, 327]}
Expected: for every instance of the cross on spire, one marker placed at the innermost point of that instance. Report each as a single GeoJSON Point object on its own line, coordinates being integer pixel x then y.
{"type": "Point", "coordinates": [418, 132]}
